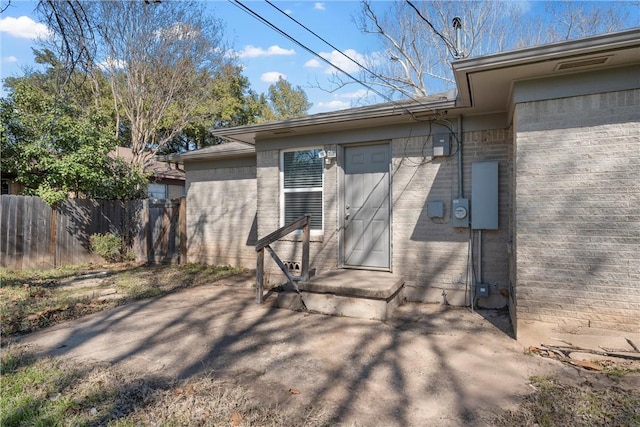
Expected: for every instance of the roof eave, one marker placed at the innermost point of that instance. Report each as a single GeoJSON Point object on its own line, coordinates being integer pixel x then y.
{"type": "Point", "coordinates": [248, 133]}
{"type": "Point", "coordinates": [605, 42]}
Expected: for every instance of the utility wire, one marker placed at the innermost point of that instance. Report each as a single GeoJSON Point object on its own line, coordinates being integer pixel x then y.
{"type": "Point", "coordinates": [450, 47]}
{"type": "Point", "coordinates": [373, 73]}
{"type": "Point", "coordinates": [257, 16]}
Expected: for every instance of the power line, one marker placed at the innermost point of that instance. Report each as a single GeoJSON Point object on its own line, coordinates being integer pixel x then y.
{"type": "Point", "coordinates": [311, 51]}
{"type": "Point", "coordinates": [257, 16]}
{"type": "Point", "coordinates": [373, 73]}
{"type": "Point", "coordinates": [450, 47]}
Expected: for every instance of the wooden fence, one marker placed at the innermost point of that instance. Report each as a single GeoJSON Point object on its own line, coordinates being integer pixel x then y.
{"type": "Point", "coordinates": [35, 236]}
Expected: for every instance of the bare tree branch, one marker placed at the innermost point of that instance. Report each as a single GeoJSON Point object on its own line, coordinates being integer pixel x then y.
{"type": "Point", "coordinates": [417, 37]}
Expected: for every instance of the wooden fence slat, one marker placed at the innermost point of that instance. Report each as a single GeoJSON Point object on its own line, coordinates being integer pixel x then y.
{"type": "Point", "coordinates": [33, 235]}
{"type": "Point", "coordinates": [47, 256]}
{"type": "Point", "coordinates": [19, 233]}
{"type": "Point", "coordinates": [30, 242]}
{"type": "Point", "coordinates": [11, 232]}
{"type": "Point", "coordinates": [4, 212]}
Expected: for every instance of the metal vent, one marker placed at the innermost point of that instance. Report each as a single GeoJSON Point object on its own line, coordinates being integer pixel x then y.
{"type": "Point", "coordinates": [292, 266]}
{"type": "Point", "coordinates": [582, 63]}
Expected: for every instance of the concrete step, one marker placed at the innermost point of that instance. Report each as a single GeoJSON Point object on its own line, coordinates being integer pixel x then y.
{"type": "Point", "coordinates": [353, 293]}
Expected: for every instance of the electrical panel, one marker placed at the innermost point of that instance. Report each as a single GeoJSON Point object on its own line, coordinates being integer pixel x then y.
{"type": "Point", "coordinates": [484, 195]}
{"type": "Point", "coordinates": [441, 144]}
{"type": "Point", "coordinates": [460, 212]}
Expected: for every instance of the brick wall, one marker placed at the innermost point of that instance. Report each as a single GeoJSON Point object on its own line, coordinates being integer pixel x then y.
{"type": "Point", "coordinates": [323, 249]}
{"type": "Point", "coordinates": [577, 211]}
{"type": "Point", "coordinates": [430, 252]}
{"type": "Point", "coordinates": [221, 214]}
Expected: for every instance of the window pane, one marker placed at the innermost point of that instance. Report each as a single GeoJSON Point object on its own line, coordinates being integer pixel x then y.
{"type": "Point", "coordinates": [157, 191]}
{"type": "Point", "coordinates": [298, 204]}
{"type": "Point", "coordinates": [302, 169]}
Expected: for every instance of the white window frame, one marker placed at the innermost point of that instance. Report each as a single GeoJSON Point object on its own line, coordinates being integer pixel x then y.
{"type": "Point", "coordinates": [299, 190]}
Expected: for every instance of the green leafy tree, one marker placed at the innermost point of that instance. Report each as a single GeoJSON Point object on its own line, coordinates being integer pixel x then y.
{"type": "Point", "coordinates": [287, 102]}
{"type": "Point", "coordinates": [56, 148]}
{"type": "Point", "coordinates": [229, 102]}
{"type": "Point", "coordinates": [159, 58]}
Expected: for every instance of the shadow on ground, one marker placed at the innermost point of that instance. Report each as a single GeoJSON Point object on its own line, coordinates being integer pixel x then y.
{"type": "Point", "coordinates": [425, 366]}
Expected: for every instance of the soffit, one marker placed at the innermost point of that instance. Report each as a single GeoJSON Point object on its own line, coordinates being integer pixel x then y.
{"type": "Point", "coordinates": [486, 83]}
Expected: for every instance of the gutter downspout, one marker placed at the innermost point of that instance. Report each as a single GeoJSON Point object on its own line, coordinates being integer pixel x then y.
{"type": "Point", "coordinates": [460, 195]}
{"type": "Point", "coordinates": [470, 277]}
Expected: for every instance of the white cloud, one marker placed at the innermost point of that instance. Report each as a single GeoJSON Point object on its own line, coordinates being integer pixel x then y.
{"type": "Point", "coordinates": [313, 63]}
{"type": "Point", "coordinates": [319, 6]}
{"type": "Point", "coordinates": [9, 59]}
{"type": "Point", "coordinates": [271, 77]}
{"type": "Point", "coordinates": [23, 27]}
{"type": "Point", "coordinates": [359, 94]}
{"type": "Point", "coordinates": [339, 60]}
{"type": "Point", "coordinates": [111, 63]}
{"type": "Point", "coordinates": [288, 11]}
{"type": "Point", "coordinates": [332, 105]}
{"type": "Point", "coordinates": [250, 51]}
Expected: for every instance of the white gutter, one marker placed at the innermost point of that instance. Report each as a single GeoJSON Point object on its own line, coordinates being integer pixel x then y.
{"type": "Point", "coordinates": [537, 54]}
{"type": "Point", "coordinates": [400, 108]}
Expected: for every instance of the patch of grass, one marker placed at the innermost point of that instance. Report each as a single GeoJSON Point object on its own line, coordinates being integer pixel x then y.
{"type": "Point", "coordinates": [57, 392]}
{"type": "Point", "coordinates": [155, 281]}
{"type": "Point", "coordinates": [31, 300]}
{"type": "Point", "coordinates": [616, 373]}
{"type": "Point", "coordinates": [32, 390]}
{"type": "Point", "coordinates": [557, 404]}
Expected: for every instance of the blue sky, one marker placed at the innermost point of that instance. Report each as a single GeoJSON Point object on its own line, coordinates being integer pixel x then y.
{"type": "Point", "coordinates": [264, 53]}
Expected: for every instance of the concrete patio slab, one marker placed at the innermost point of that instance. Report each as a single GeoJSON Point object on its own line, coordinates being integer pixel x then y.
{"type": "Point", "coordinates": [424, 366]}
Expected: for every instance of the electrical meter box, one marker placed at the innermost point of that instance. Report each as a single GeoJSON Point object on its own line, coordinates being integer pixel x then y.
{"type": "Point", "coordinates": [441, 144]}
{"type": "Point", "coordinates": [460, 212]}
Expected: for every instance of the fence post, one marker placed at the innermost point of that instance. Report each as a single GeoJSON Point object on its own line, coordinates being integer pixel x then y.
{"type": "Point", "coordinates": [148, 232]}
{"type": "Point", "coordinates": [182, 229]}
{"type": "Point", "coordinates": [53, 239]}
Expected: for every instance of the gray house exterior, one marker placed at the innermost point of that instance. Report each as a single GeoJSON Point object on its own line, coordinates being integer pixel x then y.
{"type": "Point", "coordinates": [525, 180]}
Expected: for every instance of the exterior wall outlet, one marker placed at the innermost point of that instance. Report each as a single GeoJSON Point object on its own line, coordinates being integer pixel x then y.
{"type": "Point", "coordinates": [482, 290]}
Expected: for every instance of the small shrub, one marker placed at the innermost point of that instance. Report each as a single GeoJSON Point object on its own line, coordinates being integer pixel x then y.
{"type": "Point", "coordinates": [108, 246]}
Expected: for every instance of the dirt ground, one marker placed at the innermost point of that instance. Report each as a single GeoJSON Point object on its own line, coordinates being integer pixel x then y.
{"type": "Point", "coordinates": [428, 365]}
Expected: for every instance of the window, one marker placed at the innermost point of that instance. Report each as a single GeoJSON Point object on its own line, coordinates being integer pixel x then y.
{"type": "Point", "coordinates": [157, 191]}
{"type": "Point", "coordinates": [301, 185]}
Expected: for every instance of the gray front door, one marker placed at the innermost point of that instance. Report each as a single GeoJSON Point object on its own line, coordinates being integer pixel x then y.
{"type": "Point", "coordinates": [366, 206]}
